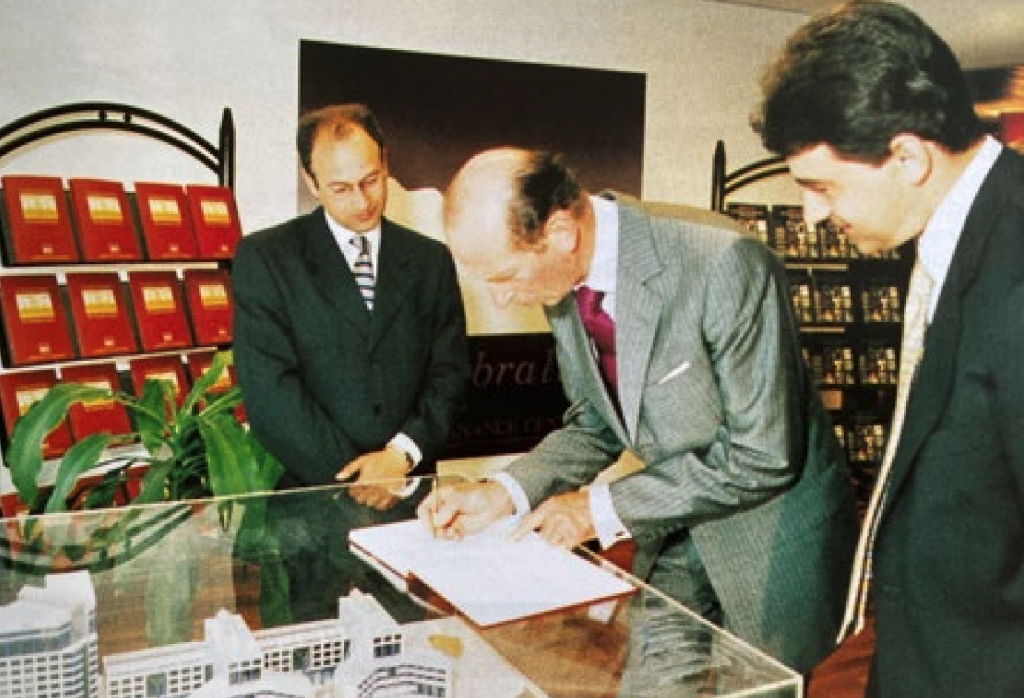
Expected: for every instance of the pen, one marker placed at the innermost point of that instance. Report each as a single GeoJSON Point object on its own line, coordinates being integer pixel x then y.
{"type": "Point", "coordinates": [432, 509]}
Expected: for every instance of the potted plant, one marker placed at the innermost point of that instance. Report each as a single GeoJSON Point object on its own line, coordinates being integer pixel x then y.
{"type": "Point", "coordinates": [190, 450]}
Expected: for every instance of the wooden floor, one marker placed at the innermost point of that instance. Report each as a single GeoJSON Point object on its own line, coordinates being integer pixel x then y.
{"type": "Point", "coordinates": [845, 673]}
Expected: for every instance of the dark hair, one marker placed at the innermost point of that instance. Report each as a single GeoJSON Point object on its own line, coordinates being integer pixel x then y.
{"type": "Point", "coordinates": [545, 184]}
{"type": "Point", "coordinates": [856, 77]}
{"type": "Point", "coordinates": [337, 120]}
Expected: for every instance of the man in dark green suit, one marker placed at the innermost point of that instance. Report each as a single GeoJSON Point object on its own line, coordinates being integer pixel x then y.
{"type": "Point", "coordinates": [873, 114]}
{"type": "Point", "coordinates": [350, 368]}
{"type": "Point", "coordinates": [331, 386]}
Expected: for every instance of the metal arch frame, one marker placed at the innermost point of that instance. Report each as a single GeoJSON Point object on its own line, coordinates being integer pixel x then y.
{"type": "Point", "coordinates": [724, 183]}
{"type": "Point", "coordinates": [83, 116]}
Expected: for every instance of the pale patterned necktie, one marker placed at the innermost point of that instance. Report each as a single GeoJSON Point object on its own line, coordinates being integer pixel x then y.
{"type": "Point", "coordinates": [363, 269]}
{"type": "Point", "coordinates": [915, 323]}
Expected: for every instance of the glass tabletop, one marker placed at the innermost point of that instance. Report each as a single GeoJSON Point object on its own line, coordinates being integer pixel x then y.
{"type": "Point", "coordinates": [263, 595]}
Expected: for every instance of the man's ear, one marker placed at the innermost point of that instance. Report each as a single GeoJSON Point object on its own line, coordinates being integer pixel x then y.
{"type": "Point", "coordinates": [912, 158]}
{"type": "Point", "coordinates": [314, 190]}
{"type": "Point", "coordinates": [562, 231]}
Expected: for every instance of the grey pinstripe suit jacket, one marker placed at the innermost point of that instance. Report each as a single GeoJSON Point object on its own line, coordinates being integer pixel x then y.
{"type": "Point", "coordinates": [737, 447]}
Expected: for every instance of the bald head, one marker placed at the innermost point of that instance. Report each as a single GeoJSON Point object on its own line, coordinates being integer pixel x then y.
{"type": "Point", "coordinates": [511, 212]}
{"type": "Point", "coordinates": [479, 198]}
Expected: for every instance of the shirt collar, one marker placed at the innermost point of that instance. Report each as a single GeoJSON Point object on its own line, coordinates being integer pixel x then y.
{"type": "Point", "coordinates": [938, 242]}
{"type": "Point", "coordinates": [343, 235]}
{"type": "Point", "coordinates": [601, 276]}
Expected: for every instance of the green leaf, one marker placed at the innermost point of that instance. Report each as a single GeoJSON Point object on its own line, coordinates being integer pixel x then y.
{"type": "Point", "coordinates": [154, 482]}
{"type": "Point", "coordinates": [25, 455]}
{"type": "Point", "coordinates": [206, 381]}
{"type": "Point", "coordinates": [80, 458]}
{"type": "Point", "coordinates": [268, 468]}
{"type": "Point", "coordinates": [153, 413]}
{"type": "Point", "coordinates": [231, 466]}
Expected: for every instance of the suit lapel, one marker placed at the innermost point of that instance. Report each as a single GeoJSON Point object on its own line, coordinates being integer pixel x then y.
{"type": "Point", "coordinates": [637, 309]}
{"type": "Point", "coordinates": [395, 272]}
{"type": "Point", "coordinates": [331, 273]}
{"type": "Point", "coordinates": [935, 373]}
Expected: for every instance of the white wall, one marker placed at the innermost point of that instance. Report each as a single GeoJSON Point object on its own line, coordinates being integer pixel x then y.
{"type": "Point", "coordinates": [190, 58]}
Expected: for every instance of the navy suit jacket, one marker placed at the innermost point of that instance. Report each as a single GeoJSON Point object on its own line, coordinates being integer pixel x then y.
{"type": "Point", "coordinates": [949, 553]}
{"type": "Point", "coordinates": [324, 379]}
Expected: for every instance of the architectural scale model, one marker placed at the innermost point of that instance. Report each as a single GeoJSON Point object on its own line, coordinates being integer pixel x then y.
{"type": "Point", "coordinates": [49, 649]}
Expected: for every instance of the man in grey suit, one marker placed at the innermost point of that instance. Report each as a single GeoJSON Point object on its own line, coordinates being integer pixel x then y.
{"type": "Point", "coordinates": [743, 508]}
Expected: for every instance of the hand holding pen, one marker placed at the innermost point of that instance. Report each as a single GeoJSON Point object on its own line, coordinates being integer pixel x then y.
{"type": "Point", "coordinates": [454, 511]}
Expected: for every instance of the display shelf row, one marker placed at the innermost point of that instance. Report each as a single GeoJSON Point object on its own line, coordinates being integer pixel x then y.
{"type": "Point", "coordinates": [112, 313]}
{"type": "Point", "coordinates": [20, 390]}
{"type": "Point", "coordinates": [838, 298]}
{"type": "Point", "coordinates": [784, 229]}
{"type": "Point", "coordinates": [869, 363]}
{"type": "Point", "coordinates": [95, 220]}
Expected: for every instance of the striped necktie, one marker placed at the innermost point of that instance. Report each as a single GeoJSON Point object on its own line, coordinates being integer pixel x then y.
{"type": "Point", "coordinates": [363, 269]}
{"type": "Point", "coordinates": [911, 350]}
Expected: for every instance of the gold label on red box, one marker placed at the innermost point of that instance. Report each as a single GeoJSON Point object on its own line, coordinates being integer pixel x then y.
{"type": "Point", "coordinates": [38, 206]}
{"type": "Point", "coordinates": [99, 302]}
{"type": "Point", "coordinates": [35, 306]}
{"type": "Point", "coordinates": [105, 209]}
{"type": "Point", "coordinates": [216, 212]}
{"type": "Point", "coordinates": [213, 295]}
{"type": "Point", "coordinates": [164, 211]}
{"type": "Point", "coordinates": [158, 299]}
{"type": "Point", "coordinates": [29, 396]}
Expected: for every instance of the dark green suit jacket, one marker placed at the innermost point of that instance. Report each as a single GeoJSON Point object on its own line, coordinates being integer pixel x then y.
{"type": "Point", "coordinates": [949, 554]}
{"type": "Point", "coordinates": [324, 379]}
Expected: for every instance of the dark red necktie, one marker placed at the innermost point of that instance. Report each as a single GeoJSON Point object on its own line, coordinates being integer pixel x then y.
{"type": "Point", "coordinates": [601, 328]}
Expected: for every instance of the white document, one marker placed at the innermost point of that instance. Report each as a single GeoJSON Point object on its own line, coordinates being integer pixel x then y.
{"type": "Point", "coordinates": [488, 577]}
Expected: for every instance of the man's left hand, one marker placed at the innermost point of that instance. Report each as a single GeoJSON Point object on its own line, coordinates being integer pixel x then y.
{"type": "Point", "coordinates": [563, 520]}
{"type": "Point", "coordinates": [381, 477]}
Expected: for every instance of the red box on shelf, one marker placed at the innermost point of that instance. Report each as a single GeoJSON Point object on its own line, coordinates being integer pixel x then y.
{"type": "Point", "coordinates": [159, 312]}
{"type": "Point", "coordinates": [165, 221]}
{"type": "Point", "coordinates": [214, 220]}
{"type": "Point", "coordinates": [100, 314]}
{"type": "Point", "coordinates": [96, 416]}
{"type": "Point", "coordinates": [37, 221]}
{"type": "Point", "coordinates": [34, 320]}
{"type": "Point", "coordinates": [168, 368]}
{"type": "Point", "coordinates": [18, 392]}
{"type": "Point", "coordinates": [106, 230]}
{"type": "Point", "coordinates": [208, 292]}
